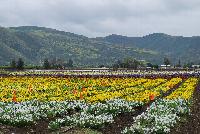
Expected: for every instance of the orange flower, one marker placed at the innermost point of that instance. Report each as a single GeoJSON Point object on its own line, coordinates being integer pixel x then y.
{"type": "Point", "coordinates": [75, 92]}
{"type": "Point", "coordinates": [83, 89]}
{"type": "Point", "coordinates": [14, 99]}
{"type": "Point", "coordinates": [81, 96]}
{"type": "Point", "coordinates": [152, 97]}
{"type": "Point", "coordinates": [30, 88]}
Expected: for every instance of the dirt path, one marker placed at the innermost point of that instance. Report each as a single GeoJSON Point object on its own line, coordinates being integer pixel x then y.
{"type": "Point", "coordinates": [192, 123]}
{"type": "Point", "coordinates": [40, 127]}
{"type": "Point", "coordinates": [121, 121]}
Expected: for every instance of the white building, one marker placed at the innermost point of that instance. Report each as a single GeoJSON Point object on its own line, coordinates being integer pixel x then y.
{"type": "Point", "coordinates": [165, 66]}
{"type": "Point", "coordinates": [195, 66]}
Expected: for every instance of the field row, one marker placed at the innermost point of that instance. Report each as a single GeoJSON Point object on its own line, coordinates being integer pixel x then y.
{"type": "Point", "coordinates": [88, 89]}
{"type": "Point", "coordinates": [95, 102]}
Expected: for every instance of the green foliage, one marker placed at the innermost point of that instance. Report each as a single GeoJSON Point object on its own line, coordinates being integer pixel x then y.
{"type": "Point", "coordinates": [155, 66]}
{"type": "Point", "coordinates": [70, 63]}
{"type": "Point", "coordinates": [127, 63]}
{"type": "Point", "coordinates": [179, 63]}
{"type": "Point", "coordinates": [166, 61]}
{"type": "Point", "coordinates": [46, 64]}
{"type": "Point", "coordinates": [20, 64]}
{"type": "Point", "coordinates": [13, 64]}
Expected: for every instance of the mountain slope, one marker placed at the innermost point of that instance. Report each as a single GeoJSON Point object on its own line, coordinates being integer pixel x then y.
{"type": "Point", "coordinates": [175, 47]}
{"type": "Point", "coordinates": [34, 44]}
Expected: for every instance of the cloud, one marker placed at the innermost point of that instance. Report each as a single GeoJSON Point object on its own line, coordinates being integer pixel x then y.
{"type": "Point", "coordinates": [101, 17]}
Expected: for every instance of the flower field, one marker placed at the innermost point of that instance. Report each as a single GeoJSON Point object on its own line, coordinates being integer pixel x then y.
{"type": "Point", "coordinates": [95, 102]}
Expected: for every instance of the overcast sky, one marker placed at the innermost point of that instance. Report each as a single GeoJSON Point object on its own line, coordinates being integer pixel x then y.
{"type": "Point", "coordinates": [102, 17]}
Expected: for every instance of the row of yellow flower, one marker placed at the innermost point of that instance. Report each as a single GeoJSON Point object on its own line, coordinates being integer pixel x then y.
{"type": "Point", "coordinates": [156, 91]}
{"type": "Point", "coordinates": [124, 92]}
{"type": "Point", "coordinates": [50, 88]}
{"type": "Point", "coordinates": [185, 91]}
{"type": "Point", "coordinates": [90, 89]}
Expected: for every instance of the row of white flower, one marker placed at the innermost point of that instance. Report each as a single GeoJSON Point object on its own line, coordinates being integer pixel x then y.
{"type": "Point", "coordinates": [159, 117]}
{"type": "Point", "coordinates": [96, 115]}
{"type": "Point", "coordinates": [29, 112]}
{"type": "Point", "coordinates": [107, 73]}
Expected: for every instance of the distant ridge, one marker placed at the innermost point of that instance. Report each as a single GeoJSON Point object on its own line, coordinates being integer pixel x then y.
{"type": "Point", "coordinates": [34, 44]}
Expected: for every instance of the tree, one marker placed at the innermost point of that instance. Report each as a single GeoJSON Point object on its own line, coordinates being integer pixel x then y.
{"type": "Point", "coordinates": [166, 61]}
{"type": "Point", "coordinates": [53, 62]}
{"type": "Point", "coordinates": [135, 64]}
{"type": "Point", "coordinates": [101, 66]}
{"type": "Point", "coordinates": [149, 64]}
{"type": "Point", "coordinates": [129, 63]}
{"type": "Point", "coordinates": [46, 64]}
{"type": "Point", "coordinates": [179, 63]}
{"type": "Point", "coordinates": [188, 65]}
{"type": "Point", "coordinates": [70, 63]}
{"type": "Point", "coordinates": [20, 64]}
{"type": "Point", "coordinates": [13, 64]}
{"type": "Point", "coordinates": [59, 64]}
{"type": "Point", "coordinates": [155, 66]}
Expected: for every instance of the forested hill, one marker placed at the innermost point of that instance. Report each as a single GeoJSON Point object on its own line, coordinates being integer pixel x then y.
{"type": "Point", "coordinates": [34, 44]}
{"type": "Point", "coordinates": [187, 49]}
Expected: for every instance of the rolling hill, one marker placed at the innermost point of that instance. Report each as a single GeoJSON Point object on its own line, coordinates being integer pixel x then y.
{"type": "Point", "coordinates": [34, 44]}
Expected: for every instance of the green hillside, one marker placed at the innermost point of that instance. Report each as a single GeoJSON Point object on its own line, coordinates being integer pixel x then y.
{"type": "Point", "coordinates": [187, 49]}
{"type": "Point", "coordinates": [34, 44]}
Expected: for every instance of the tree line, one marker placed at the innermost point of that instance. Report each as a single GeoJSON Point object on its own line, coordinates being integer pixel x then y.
{"type": "Point", "coordinates": [47, 64]}
{"type": "Point", "coordinates": [129, 63]}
